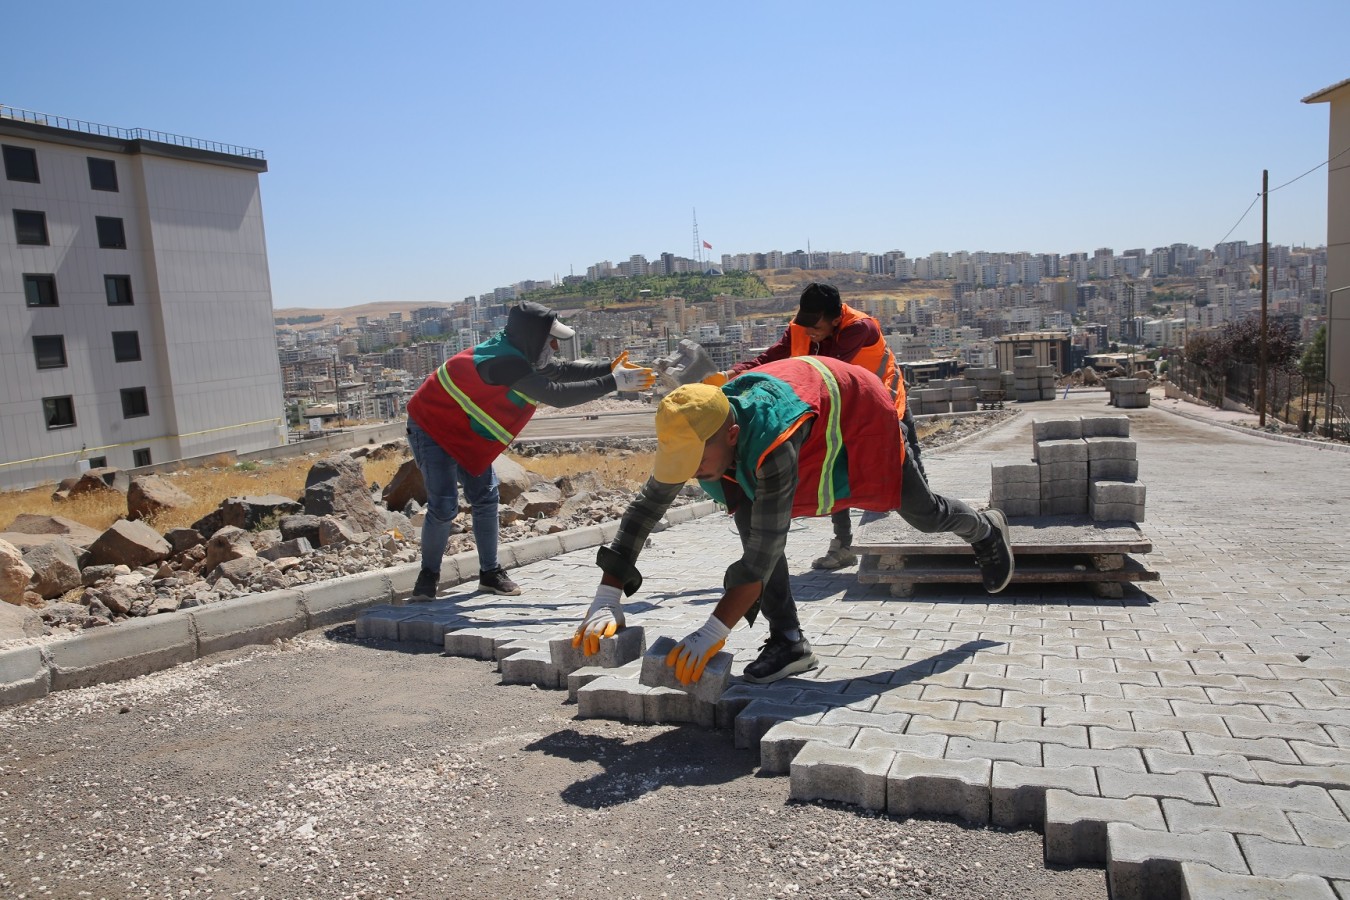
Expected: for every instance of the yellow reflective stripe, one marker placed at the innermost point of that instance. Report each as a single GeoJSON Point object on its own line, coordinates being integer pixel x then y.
{"type": "Point", "coordinates": [834, 440]}
{"type": "Point", "coordinates": [471, 409]}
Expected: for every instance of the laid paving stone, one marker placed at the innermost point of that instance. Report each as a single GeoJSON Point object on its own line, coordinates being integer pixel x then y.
{"type": "Point", "coordinates": [1017, 792]}
{"type": "Point", "coordinates": [1336, 776]}
{"type": "Point", "coordinates": [1202, 882]}
{"type": "Point", "coordinates": [1273, 749]}
{"type": "Point", "coordinates": [760, 715]}
{"type": "Point", "coordinates": [1110, 739]}
{"type": "Point", "coordinates": [1191, 786]}
{"type": "Point", "coordinates": [1300, 798]}
{"type": "Point", "coordinates": [824, 772]}
{"type": "Point", "coordinates": [1184, 816]}
{"type": "Point", "coordinates": [1145, 864]}
{"type": "Point", "coordinates": [473, 643]}
{"type": "Point", "coordinates": [784, 740]}
{"type": "Point", "coordinates": [579, 678]}
{"type": "Point", "coordinates": [1165, 762]}
{"type": "Point", "coordinates": [895, 722]}
{"type": "Point", "coordinates": [531, 667]}
{"type": "Point", "coordinates": [918, 785]}
{"type": "Point", "coordinates": [622, 647]}
{"type": "Point", "coordinates": [1026, 753]}
{"type": "Point", "coordinates": [662, 705]}
{"type": "Point", "coordinates": [1126, 759]}
{"type": "Point", "coordinates": [612, 697]}
{"type": "Point", "coordinates": [981, 731]}
{"type": "Point", "coordinates": [1316, 831]}
{"type": "Point", "coordinates": [1279, 860]}
{"type": "Point", "coordinates": [929, 746]}
{"type": "Point", "coordinates": [1075, 826]}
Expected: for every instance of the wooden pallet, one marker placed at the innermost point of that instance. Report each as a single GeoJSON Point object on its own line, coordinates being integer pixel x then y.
{"type": "Point", "coordinates": [1047, 550]}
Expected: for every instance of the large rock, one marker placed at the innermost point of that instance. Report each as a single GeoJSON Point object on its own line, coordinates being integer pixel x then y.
{"type": "Point", "coordinates": [14, 574]}
{"type": "Point", "coordinates": [294, 527]}
{"type": "Point", "coordinates": [406, 485]}
{"type": "Point", "coordinates": [249, 513]}
{"type": "Point", "coordinates": [55, 568]}
{"type": "Point", "coordinates": [150, 495]}
{"type": "Point", "coordinates": [512, 479]}
{"type": "Point", "coordinates": [104, 479]}
{"type": "Point", "coordinates": [336, 486]}
{"type": "Point", "coordinates": [75, 534]}
{"type": "Point", "coordinates": [19, 622]}
{"type": "Point", "coordinates": [129, 543]}
{"type": "Point", "coordinates": [226, 544]}
{"type": "Point", "coordinates": [183, 539]}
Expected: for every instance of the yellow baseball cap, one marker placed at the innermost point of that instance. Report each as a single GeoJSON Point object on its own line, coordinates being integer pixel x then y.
{"type": "Point", "coordinates": [686, 418]}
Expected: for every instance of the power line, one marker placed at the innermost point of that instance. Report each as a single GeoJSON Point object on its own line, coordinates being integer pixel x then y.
{"type": "Point", "coordinates": [1274, 189]}
{"type": "Point", "coordinates": [1240, 218]}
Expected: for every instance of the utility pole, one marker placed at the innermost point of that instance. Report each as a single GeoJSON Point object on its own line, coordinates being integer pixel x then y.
{"type": "Point", "coordinates": [1265, 281]}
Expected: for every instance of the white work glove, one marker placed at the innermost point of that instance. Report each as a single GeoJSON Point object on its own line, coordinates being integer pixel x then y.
{"type": "Point", "coordinates": [603, 619]}
{"type": "Point", "coordinates": [690, 656]}
{"type": "Point", "coordinates": [629, 377]}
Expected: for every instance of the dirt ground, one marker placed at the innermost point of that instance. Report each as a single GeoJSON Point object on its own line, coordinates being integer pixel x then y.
{"type": "Point", "coordinates": [330, 767]}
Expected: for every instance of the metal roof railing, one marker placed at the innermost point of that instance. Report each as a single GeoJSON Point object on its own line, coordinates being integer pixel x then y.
{"type": "Point", "coordinates": [125, 134]}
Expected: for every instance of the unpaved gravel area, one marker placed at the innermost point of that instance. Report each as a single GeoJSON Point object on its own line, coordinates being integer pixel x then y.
{"type": "Point", "coordinates": [330, 767]}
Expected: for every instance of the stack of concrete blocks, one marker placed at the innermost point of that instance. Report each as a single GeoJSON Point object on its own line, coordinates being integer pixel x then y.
{"type": "Point", "coordinates": [1084, 466]}
{"type": "Point", "coordinates": [988, 379]}
{"type": "Point", "coordinates": [932, 399]}
{"type": "Point", "coordinates": [653, 695]}
{"type": "Point", "coordinates": [1128, 393]}
{"type": "Point", "coordinates": [965, 395]}
{"type": "Point", "coordinates": [547, 663]}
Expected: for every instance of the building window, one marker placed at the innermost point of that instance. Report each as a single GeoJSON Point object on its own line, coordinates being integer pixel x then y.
{"type": "Point", "coordinates": [102, 174]}
{"type": "Point", "coordinates": [111, 234]}
{"type": "Point", "coordinates": [30, 227]}
{"type": "Point", "coordinates": [118, 289]}
{"type": "Point", "coordinates": [134, 403]}
{"type": "Point", "coordinates": [40, 290]}
{"type": "Point", "coordinates": [50, 351]}
{"type": "Point", "coordinates": [59, 412]}
{"type": "Point", "coordinates": [140, 457]}
{"type": "Point", "coordinates": [21, 164]}
{"type": "Point", "coordinates": [126, 346]}
{"type": "Point", "coordinates": [98, 462]}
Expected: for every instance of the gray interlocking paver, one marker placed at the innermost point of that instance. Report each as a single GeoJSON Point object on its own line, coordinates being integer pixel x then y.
{"type": "Point", "coordinates": [1232, 671]}
{"type": "Point", "coordinates": [1202, 882]}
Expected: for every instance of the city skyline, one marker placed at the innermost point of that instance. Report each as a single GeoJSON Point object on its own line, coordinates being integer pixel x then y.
{"type": "Point", "coordinates": [550, 139]}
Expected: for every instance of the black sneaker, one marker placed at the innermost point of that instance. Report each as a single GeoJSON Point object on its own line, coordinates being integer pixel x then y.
{"type": "Point", "coordinates": [495, 581]}
{"type": "Point", "coordinates": [427, 583]}
{"type": "Point", "coordinates": [994, 553]}
{"type": "Point", "coordinates": [780, 658]}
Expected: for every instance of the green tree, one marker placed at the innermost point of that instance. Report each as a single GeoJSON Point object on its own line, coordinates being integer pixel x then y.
{"type": "Point", "coordinates": [1313, 365]}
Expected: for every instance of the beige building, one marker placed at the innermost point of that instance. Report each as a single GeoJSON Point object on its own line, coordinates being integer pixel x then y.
{"type": "Point", "coordinates": [1050, 348]}
{"type": "Point", "coordinates": [1338, 238]}
{"type": "Point", "coordinates": [136, 300]}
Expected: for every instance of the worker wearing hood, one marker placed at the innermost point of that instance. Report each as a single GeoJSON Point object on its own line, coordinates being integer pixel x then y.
{"type": "Point", "coordinates": [470, 410]}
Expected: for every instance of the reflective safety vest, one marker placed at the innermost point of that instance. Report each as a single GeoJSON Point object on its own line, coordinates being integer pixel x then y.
{"type": "Point", "coordinates": [876, 357]}
{"type": "Point", "coordinates": [471, 420]}
{"type": "Point", "coordinates": [853, 455]}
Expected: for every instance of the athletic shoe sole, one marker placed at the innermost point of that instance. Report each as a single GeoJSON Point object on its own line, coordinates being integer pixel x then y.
{"type": "Point", "coordinates": [1000, 522]}
{"type": "Point", "coordinates": [484, 589]}
{"type": "Point", "coordinates": [805, 664]}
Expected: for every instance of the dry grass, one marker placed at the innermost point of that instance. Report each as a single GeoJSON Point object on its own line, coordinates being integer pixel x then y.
{"type": "Point", "coordinates": [207, 486]}
{"type": "Point", "coordinates": [614, 470]}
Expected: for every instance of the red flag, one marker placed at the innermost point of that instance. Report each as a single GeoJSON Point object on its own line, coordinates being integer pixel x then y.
{"type": "Point", "coordinates": [707, 246]}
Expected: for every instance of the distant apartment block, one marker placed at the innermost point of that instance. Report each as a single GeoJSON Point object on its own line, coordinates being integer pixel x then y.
{"type": "Point", "coordinates": [138, 306]}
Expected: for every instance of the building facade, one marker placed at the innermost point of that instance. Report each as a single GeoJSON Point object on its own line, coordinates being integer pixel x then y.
{"type": "Point", "coordinates": [136, 299]}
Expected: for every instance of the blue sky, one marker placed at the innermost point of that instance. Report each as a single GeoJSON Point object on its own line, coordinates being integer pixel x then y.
{"type": "Point", "coordinates": [431, 151]}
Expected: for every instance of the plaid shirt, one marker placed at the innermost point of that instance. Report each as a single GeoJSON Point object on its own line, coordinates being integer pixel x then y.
{"type": "Point", "coordinates": [775, 483]}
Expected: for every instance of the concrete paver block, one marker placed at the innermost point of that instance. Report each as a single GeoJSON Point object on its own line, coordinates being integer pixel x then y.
{"type": "Point", "coordinates": [1063, 451]}
{"type": "Point", "coordinates": [1016, 473]}
{"type": "Point", "coordinates": [531, 667]}
{"type": "Point", "coordinates": [1056, 429]}
{"type": "Point", "coordinates": [1202, 882]}
{"type": "Point", "coordinates": [624, 647]}
{"type": "Point", "coordinates": [1105, 426]}
{"type": "Point", "coordinates": [1191, 786]}
{"type": "Point", "coordinates": [125, 651]}
{"type": "Point", "coordinates": [784, 740]}
{"type": "Point", "coordinates": [1186, 817]}
{"type": "Point", "coordinates": [824, 772]}
{"type": "Point", "coordinates": [612, 697]}
{"type": "Point", "coordinates": [1075, 826]}
{"type": "Point", "coordinates": [1288, 798]}
{"type": "Point", "coordinates": [662, 705]}
{"type": "Point", "coordinates": [380, 622]}
{"type": "Point", "coordinates": [759, 716]}
{"type": "Point", "coordinates": [1226, 764]}
{"type": "Point", "coordinates": [1279, 860]}
{"type": "Point", "coordinates": [579, 678]}
{"type": "Point", "coordinates": [716, 675]}
{"type": "Point", "coordinates": [473, 643]}
{"type": "Point", "coordinates": [1113, 469]}
{"type": "Point", "coordinates": [23, 675]}
{"type": "Point", "coordinates": [1117, 492]}
{"type": "Point", "coordinates": [251, 619]}
{"type": "Point", "coordinates": [426, 627]}
{"type": "Point", "coordinates": [1102, 448]}
{"type": "Point", "coordinates": [944, 787]}
{"type": "Point", "coordinates": [1017, 792]}
{"type": "Point", "coordinates": [1316, 831]}
{"type": "Point", "coordinates": [1145, 864]}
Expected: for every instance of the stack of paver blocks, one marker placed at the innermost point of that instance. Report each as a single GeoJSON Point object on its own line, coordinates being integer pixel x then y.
{"type": "Point", "coordinates": [1032, 382]}
{"type": "Point", "coordinates": [1081, 466]}
{"type": "Point", "coordinates": [1128, 393]}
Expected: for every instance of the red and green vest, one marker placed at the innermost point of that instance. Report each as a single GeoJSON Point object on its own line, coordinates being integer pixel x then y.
{"type": "Point", "coordinates": [472, 420]}
{"type": "Point", "coordinates": [853, 455]}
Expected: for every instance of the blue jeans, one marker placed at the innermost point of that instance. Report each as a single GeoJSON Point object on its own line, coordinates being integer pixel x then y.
{"type": "Point", "coordinates": [442, 476]}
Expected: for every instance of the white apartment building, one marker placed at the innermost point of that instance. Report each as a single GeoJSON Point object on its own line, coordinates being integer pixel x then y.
{"type": "Point", "coordinates": [136, 298]}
